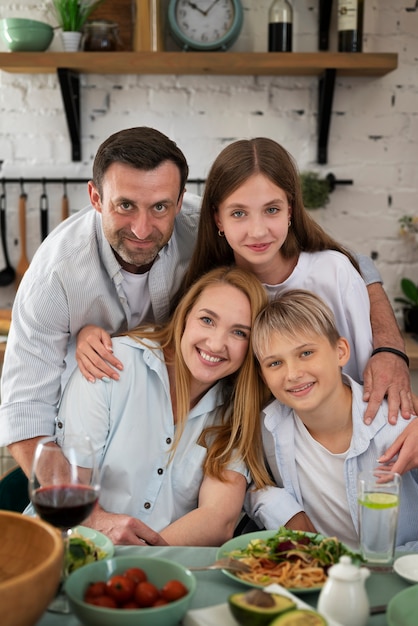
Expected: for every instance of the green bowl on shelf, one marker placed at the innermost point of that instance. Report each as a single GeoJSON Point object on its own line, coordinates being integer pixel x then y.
{"type": "Point", "coordinates": [22, 35]}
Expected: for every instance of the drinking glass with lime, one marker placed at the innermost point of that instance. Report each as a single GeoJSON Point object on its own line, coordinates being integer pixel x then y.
{"type": "Point", "coordinates": [378, 498]}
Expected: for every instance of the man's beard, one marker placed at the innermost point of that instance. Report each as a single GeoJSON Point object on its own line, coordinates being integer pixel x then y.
{"type": "Point", "coordinates": [139, 257]}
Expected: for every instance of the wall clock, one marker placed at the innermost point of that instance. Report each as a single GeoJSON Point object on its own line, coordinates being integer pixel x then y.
{"type": "Point", "coordinates": [205, 24]}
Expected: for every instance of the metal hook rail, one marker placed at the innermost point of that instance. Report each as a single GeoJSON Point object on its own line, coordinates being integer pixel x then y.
{"type": "Point", "coordinates": [67, 180]}
{"type": "Point", "coordinates": [332, 180]}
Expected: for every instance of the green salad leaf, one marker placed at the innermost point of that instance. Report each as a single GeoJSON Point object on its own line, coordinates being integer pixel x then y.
{"type": "Point", "coordinates": [82, 551]}
{"type": "Point", "coordinates": [291, 544]}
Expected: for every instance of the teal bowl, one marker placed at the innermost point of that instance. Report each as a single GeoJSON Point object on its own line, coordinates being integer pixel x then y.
{"type": "Point", "coordinates": [22, 35]}
{"type": "Point", "coordinates": [159, 571]}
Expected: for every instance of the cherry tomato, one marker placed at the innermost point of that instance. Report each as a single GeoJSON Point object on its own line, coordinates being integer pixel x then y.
{"type": "Point", "coordinates": [120, 588]}
{"type": "Point", "coordinates": [160, 602]}
{"type": "Point", "coordinates": [136, 574]}
{"type": "Point", "coordinates": [146, 594]}
{"type": "Point", "coordinates": [131, 604]}
{"type": "Point", "coordinates": [95, 589]}
{"type": "Point", "coordinates": [106, 601]}
{"type": "Point", "coordinates": [173, 590]}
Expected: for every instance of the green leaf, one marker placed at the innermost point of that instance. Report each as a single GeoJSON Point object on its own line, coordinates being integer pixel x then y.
{"type": "Point", "coordinates": [72, 14]}
{"type": "Point", "coordinates": [410, 290]}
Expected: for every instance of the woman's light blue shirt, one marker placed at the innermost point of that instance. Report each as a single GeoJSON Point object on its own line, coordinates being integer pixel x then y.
{"type": "Point", "coordinates": [131, 424]}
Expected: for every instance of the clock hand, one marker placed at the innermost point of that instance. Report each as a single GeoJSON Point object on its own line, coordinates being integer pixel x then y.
{"type": "Point", "coordinates": [211, 7]}
{"type": "Point", "coordinates": [194, 6]}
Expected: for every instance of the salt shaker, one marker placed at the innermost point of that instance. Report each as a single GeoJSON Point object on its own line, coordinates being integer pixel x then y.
{"type": "Point", "coordinates": [343, 596]}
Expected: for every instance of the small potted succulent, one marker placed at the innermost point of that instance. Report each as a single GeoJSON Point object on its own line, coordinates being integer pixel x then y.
{"type": "Point", "coordinates": [409, 300]}
{"type": "Point", "coordinates": [71, 16]}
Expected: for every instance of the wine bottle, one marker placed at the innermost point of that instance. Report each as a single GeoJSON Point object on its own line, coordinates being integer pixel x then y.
{"type": "Point", "coordinates": [350, 25]}
{"type": "Point", "coordinates": [280, 26]}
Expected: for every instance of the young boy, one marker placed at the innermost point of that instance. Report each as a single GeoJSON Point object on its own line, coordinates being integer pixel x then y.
{"type": "Point", "coordinates": [314, 436]}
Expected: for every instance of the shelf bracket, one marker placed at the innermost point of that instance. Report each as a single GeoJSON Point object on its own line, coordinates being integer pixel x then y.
{"type": "Point", "coordinates": [325, 97]}
{"type": "Point", "coordinates": [70, 90]}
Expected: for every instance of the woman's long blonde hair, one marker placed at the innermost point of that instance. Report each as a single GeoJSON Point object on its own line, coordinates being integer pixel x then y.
{"type": "Point", "coordinates": [238, 433]}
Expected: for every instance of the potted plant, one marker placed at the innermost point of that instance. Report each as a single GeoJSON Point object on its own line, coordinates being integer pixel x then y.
{"type": "Point", "coordinates": [410, 305]}
{"type": "Point", "coordinates": [315, 190]}
{"type": "Point", "coordinates": [71, 16]}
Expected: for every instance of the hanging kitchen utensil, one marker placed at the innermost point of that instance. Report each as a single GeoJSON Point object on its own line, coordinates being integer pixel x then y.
{"type": "Point", "coordinates": [44, 211]}
{"type": "Point", "coordinates": [65, 208]}
{"type": "Point", "coordinates": [7, 275]}
{"type": "Point", "coordinates": [23, 262]}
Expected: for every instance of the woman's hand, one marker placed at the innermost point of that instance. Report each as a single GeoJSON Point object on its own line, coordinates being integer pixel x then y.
{"type": "Point", "coordinates": [388, 375]}
{"type": "Point", "coordinates": [123, 529]}
{"type": "Point", "coordinates": [94, 354]}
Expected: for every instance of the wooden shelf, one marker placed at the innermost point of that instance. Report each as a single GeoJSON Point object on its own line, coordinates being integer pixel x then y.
{"type": "Point", "coordinates": [210, 63]}
{"type": "Point", "coordinates": [325, 65]}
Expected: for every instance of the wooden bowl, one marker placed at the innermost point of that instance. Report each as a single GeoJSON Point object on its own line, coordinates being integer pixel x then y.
{"type": "Point", "coordinates": [31, 556]}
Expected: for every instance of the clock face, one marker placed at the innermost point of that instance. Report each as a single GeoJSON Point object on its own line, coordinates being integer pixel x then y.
{"type": "Point", "coordinates": [205, 23]}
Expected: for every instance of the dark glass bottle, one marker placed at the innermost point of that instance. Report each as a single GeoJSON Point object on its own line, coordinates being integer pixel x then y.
{"type": "Point", "coordinates": [280, 26]}
{"type": "Point", "coordinates": [350, 25]}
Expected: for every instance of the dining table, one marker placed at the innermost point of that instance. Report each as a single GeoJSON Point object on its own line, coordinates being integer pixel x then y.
{"type": "Point", "coordinates": [214, 587]}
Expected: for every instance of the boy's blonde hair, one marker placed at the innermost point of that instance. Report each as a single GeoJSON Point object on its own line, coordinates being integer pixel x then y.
{"type": "Point", "coordinates": [293, 313]}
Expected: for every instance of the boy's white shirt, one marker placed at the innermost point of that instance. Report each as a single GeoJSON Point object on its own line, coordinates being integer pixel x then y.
{"type": "Point", "coordinates": [321, 480]}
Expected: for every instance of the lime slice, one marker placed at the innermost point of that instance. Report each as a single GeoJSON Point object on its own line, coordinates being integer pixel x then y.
{"type": "Point", "coordinates": [380, 500]}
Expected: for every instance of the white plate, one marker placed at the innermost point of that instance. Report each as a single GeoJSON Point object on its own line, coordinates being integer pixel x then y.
{"type": "Point", "coordinates": [99, 539]}
{"type": "Point", "coordinates": [220, 613]}
{"type": "Point", "coordinates": [407, 567]}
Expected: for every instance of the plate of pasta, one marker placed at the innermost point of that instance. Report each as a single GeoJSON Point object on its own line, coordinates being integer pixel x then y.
{"type": "Point", "coordinates": [297, 560]}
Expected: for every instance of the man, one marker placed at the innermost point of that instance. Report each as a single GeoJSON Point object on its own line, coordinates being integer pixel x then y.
{"type": "Point", "coordinates": [119, 265]}
{"type": "Point", "coordinates": [114, 266]}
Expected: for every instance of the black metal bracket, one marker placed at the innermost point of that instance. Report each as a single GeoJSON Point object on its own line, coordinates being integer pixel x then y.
{"type": "Point", "coordinates": [333, 182]}
{"type": "Point", "coordinates": [326, 83]}
{"type": "Point", "coordinates": [70, 89]}
{"type": "Point", "coordinates": [325, 97]}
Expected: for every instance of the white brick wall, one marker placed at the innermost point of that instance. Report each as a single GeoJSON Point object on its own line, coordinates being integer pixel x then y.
{"type": "Point", "coordinates": [373, 137]}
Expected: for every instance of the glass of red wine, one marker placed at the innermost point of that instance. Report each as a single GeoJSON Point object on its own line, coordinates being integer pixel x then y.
{"type": "Point", "coordinates": [64, 489]}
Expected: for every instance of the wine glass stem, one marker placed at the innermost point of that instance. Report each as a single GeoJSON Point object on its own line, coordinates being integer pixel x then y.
{"type": "Point", "coordinates": [60, 602]}
{"type": "Point", "coordinates": [66, 540]}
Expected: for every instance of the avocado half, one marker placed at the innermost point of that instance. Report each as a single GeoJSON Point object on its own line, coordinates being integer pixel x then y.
{"type": "Point", "coordinates": [258, 608]}
{"type": "Point", "coordinates": [299, 617]}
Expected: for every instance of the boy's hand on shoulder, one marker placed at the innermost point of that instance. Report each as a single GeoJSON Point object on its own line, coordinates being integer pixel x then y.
{"type": "Point", "coordinates": [405, 447]}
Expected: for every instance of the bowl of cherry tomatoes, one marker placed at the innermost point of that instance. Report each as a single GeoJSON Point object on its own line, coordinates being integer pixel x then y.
{"type": "Point", "coordinates": [131, 591]}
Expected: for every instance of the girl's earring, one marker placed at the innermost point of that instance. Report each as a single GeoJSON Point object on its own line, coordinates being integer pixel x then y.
{"type": "Point", "coordinates": [289, 223]}
{"type": "Point", "coordinates": [221, 233]}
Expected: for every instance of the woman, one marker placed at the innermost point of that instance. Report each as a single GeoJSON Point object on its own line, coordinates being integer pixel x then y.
{"type": "Point", "coordinates": [165, 430]}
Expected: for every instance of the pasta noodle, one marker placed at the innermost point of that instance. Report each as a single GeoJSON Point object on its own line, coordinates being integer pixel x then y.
{"type": "Point", "coordinates": [289, 574]}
